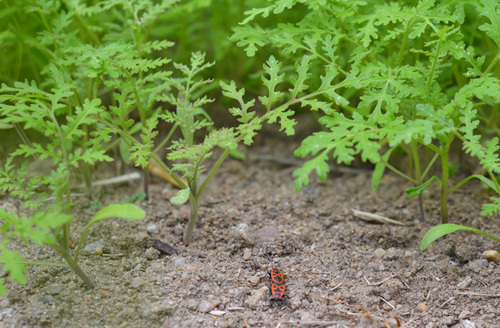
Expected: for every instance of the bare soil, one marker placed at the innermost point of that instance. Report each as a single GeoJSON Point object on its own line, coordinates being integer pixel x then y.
{"type": "Point", "coordinates": [340, 271]}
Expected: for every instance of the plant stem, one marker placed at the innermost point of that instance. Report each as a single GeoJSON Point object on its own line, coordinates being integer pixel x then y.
{"type": "Point", "coordinates": [445, 177]}
{"type": "Point", "coordinates": [74, 266]}
{"type": "Point", "coordinates": [436, 57]}
{"type": "Point", "coordinates": [418, 178]}
{"type": "Point", "coordinates": [188, 236]}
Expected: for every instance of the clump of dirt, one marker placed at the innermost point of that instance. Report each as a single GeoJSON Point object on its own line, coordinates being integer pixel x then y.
{"type": "Point", "coordinates": [339, 271]}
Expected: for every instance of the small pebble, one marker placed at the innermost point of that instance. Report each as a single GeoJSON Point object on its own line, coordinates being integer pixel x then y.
{"type": "Point", "coordinates": [191, 304]}
{"type": "Point", "coordinates": [242, 231]}
{"type": "Point", "coordinates": [47, 299]}
{"type": "Point", "coordinates": [422, 307]}
{"type": "Point", "coordinates": [267, 233]}
{"type": "Point", "coordinates": [464, 314]}
{"type": "Point", "coordinates": [6, 313]}
{"type": "Point", "coordinates": [106, 293]}
{"type": "Point", "coordinates": [254, 280]}
{"type": "Point", "coordinates": [164, 307]}
{"type": "Point", "coordinates": [152, 227]}
{"type": "Point", "coordinates": [217, 312]}
{"type": "Point", "coordinates": [491, 255]}
{"type": "Point", "coordinates": [465, 283]}
{"type": "Point", "coordinates": [386, 307]}
{"type": "Point", "coordinates": [180, 261]}
{"type": "Point", "coordinates": [257, 298]}
{"type": "Point", "coordinates": [152, 254]}
{"type": "Point", "coordinates": [137, 281]}
{"type": "Point", "coordinates": [468, 324]}
{"type": "Point", "coordinates": [478, 265]}
{"type": "Point", "coordinates": [379, 253]}
{"type": "Point", "coordinates": [98, 248]}
{"type": "Point", "coordinates": [205, 307]}
{"type": "Point", "coordinates": [393, 254]}
{"type": "Point", "coordinates": [247, 254]}
{"type": "Point", "coordinates": [54, 289]}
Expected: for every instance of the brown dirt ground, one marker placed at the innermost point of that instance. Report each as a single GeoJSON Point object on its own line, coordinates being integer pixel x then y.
{"type": "Point", "coordinates": [340, 271]}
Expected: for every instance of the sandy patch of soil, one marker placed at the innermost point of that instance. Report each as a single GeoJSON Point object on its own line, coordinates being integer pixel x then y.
{"type": "Point", "coordinates": [339, 271]}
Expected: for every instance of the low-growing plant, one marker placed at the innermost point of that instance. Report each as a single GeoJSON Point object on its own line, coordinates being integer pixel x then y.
{"type": "Point", "coordinates": [60, 112]}
{"type": "Point", "coordinates": [393, 76]}
{"type": "Point", "coordinates": [189, 156]}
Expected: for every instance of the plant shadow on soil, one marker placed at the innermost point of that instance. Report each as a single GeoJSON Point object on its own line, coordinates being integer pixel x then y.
{"type": "Point", "coordinates": [339, 271]}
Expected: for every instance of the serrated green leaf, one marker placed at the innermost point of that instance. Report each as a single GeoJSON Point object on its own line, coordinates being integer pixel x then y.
{"type": "Point", "coordinates": [272, 69]}
{"type": "Point", "coordinates": [491, 208]}
{"type": "Point", "coordinates": [318, 164]}
{"type": "Point", "coordinates": [490, 10]}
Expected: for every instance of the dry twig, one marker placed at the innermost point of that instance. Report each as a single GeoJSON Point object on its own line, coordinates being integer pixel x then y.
{"type": "Point", "coordinates": [374, 217]}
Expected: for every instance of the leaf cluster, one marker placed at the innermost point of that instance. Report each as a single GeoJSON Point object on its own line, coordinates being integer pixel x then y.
{"type": "Point", "coordinates": [387, 75]}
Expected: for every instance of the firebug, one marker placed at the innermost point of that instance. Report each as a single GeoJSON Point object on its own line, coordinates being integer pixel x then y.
{"type": "Point", "coordinates": [277, 284]}
{"type": "Point", "coordinates": [277, 276]}
{"type": "Point", "coordinates": [277, 291]}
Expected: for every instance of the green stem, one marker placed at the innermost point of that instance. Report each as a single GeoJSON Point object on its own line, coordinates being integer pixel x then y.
{"type": "Point", "coordinates": [445, 177]}
{"type": "Point", "coordinates": [436, 57]}
{"type": "Point", "coordinates": [82, 238]}
{"type": "Point", "coordinates": [74, 266]}
{"type": "Point", "coordinates": [464, 181]}
{"type": "Point", "coordinates": [398, 172]}
{"type": "Point", "coordinates": [403, 45]}
{"type": "Point", "coordinates": [188, 236]}
{"type": "Point", "coordinates": [418, 178]}
{"type": "Point", "coordinates": [429, 166]}
{"type": "Point", "coordinates": [491, 65]}
{"type": "Point", "coordinates": [212, 171]}
{"type": "Point", "coordinates": [166, 139]}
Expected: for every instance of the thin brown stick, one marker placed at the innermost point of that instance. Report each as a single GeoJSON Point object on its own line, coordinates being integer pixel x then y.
{"type": "Point", "coordinates": [367, 216]}
{"type": "Point", "coordinates": [477, 294]}
{"type": "Point", "coordinates": [377, 283]}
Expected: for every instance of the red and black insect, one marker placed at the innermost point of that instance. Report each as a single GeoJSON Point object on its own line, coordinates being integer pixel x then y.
{"type": "Point", "coordinates": [277, 276]}
{"type": "Point", "coordinates": [277, 284]}
{"type": "Point", "coordinates": [277, 291]}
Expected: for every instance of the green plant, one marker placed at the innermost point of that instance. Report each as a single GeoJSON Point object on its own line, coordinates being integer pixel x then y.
{"type": "Point", "coordinates": [393, 75]}
{"type": "Point", "coordinates": [189, 156]}
{"type": "Point", "coordinates": [42, 228]}
{"type": "Point", "coordinates": [60, 111]}
{"type": "Point", "coordinates": [444, 229]}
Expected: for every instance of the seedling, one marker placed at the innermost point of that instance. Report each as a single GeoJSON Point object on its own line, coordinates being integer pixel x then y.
{"type": "Point", "coordinates": [188, 156]}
